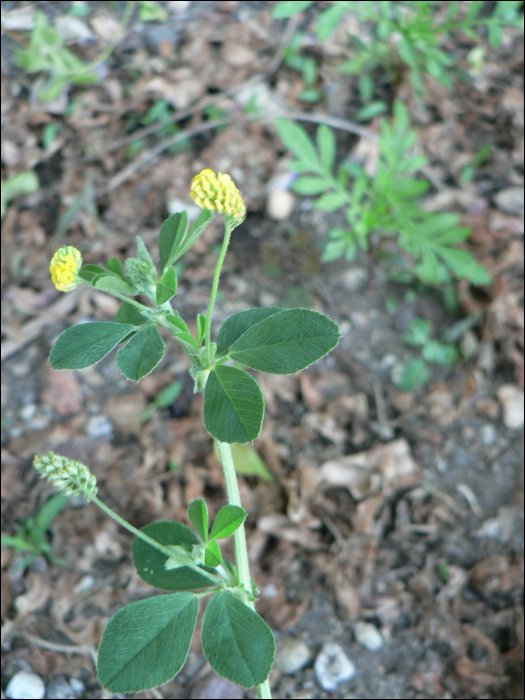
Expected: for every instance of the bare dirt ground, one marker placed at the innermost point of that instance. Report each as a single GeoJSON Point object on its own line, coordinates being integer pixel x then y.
{"type": "Point", "coordinates": [390, 512]}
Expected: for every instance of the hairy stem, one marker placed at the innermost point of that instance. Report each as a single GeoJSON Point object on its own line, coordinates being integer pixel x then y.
{"type": "Point", "coordinates": [239, 537]}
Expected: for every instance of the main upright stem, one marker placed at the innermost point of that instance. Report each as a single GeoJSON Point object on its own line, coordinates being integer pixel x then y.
{"type": "Point", "coordinates": [225, 452]}
{"type": "Point", "coordinates": [239, 537]}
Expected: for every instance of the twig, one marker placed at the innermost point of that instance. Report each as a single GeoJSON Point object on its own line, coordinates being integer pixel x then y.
{"type": "Point", "coordinates": [149, 155]}
{"type": "Point", "coordinates": [32, 329]}
{"type": "Point", "coordinates": [63, 648]}
{"type": "Point", "coordinates": [210, 101]}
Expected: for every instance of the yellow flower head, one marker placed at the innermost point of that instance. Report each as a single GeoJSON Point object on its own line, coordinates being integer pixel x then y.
{"type": "Point", "coordinates": [218, 193]}
{"type": "Point", "coordinates": [64, 268]}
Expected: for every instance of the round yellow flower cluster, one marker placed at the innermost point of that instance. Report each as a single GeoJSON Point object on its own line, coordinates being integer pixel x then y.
{"type": "Point", "coordinates": [64, 268]}
{"type": "Point", "coordinates": [218, 193]}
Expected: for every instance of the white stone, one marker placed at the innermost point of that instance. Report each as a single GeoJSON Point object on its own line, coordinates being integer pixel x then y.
{"type": "Point", "coordinates": [368, 636]}
{"type": "Point", "coordinates": [292, 656]}
{"type": "Point", "coordinates": [354, 278]}
{"type": "Point", "coordinates": [488, 434]}
{"type": "Point", "coordinates": [510, 200]}
{"type": "Point", "coordinates": [511, 400]}
{"type": "Point", "coordinates": [280, 204]}
{"type": "Point", "coordinates": [99, 426]}
{"type": "Point", "coordinates": [333, 666]}
{"type": "Point", "coordinates": [25, 686]}
{"type": "Point", "coordinates": [28, 411]}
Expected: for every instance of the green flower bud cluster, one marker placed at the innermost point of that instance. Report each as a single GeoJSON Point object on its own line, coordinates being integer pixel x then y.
{"type": "Point", "coordinates": [66, 474]}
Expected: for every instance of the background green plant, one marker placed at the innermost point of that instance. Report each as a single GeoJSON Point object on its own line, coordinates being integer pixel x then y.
{"type": "Point", "coordinates": [408, 37]}
{"type": "Point", "coordinates": [30, 537]}
{"type": "Point", "coordinates": [387, 203]}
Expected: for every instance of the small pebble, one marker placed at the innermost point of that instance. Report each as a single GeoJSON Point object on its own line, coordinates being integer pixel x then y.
{"type": "Point", "coordinates": [354, 278]}
{"type": "Point", "coordinates": [368, 636]}
{"type": "Point", "coordinates": [510, 200]}
{"type": "Point", "coordinates": [511, 400]}
{"type": "Point", "coordinates": [292, 656]}
{"type": "Point", "coordinates": [280, 204]}
{"type": "Point", "coordinates": [28, 411]}
{"type": "Point", "coordinates": [25, 686]}
{"type": "Point", "coordinates": [39, 422]}
{"type": "Point", "coordinates": [77, 686]}
{"type": "Point", "coordinates": [333, 666]}
{"type": "Point", "coordinates": [59, 689]}
{"type": "Point", "coordinates": [99, 426]}
{"type": "Point", "coordinates": [488, 434]}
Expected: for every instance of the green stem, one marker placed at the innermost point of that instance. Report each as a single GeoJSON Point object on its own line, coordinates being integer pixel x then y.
{"type": "Point", "coordinates": [239, 537]}
{"type": "Point", "coordinates": [228, 228]}
{"type": "Point", "coordinates": [129, 527]}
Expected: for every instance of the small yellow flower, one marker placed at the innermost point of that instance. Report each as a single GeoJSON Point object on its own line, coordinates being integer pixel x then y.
{"type": "Point", "coordinates": [64, 268]}
{"type": "Point", "coordinates": [218, 193]}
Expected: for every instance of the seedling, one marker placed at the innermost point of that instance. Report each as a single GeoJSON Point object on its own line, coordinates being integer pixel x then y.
{"type": "Point", "coordinates": [146, 643]}
{"type": "Point", "coordinates": [416, 372]}
{"type": "Point", "coordinates": [386, 203]}
{"type": "Point", "coordinates": [30, 535]}
{"type": "Point", "coordinates": [47, 54]}
{"type": "Point", "coordinates": [408, 36]}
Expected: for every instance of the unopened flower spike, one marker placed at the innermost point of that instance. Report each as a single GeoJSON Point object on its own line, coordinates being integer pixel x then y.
{"type": "Point", "coordinates": [66, 474]}
{"type": "Point", "coordinates": [64, 267]}
{"type": "Point", "coordinates": [218, 193]}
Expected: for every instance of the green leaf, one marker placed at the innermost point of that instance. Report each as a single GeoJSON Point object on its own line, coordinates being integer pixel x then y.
{"type": "Point", "coordinates": [418, 332]}
{"type": "Point", "coordinates": [112, 284]}
{"type": "Point", "coordinates": [441, 354]}
{"type": "Point", "coordinates": [47, 513]}
{"type": "Point", "coordinates": [428, 269]}
{"type": "Point", "coordinates": [286, 8]}
{"type": "Point", "coordinates": [146, 643]}
{"type": "Point", "coordinates": [328, 21]}
{"type": "Point", "coordinates": [163, 293]}
{"type": "Point", "coordinates": [212, 554]}
{"type": "Point", "coordinates": [237, 643]}
{"type": "Point", "coordinates": [198, 515]}
{"type": "Point", "coordinates": [169, 279]}
{"type": "Point", "coordinates": [326, 146]}
{"type": "Point", "coordinates": [371, 110]}
{"type": "Point", "coordinates": [89, 272]}
{"type": "Point", "coordinates": [149, 562]}
{"type": "Point", "coordinates": [171, 235]}
{"type": "Point", "coordinates": [180, 325]}
{"type": "Point", "coordinates": [115, 266]}
{"type": "Point", "coordinates": [195, 231]}
{"type": "Point", "coordinates": [87, 343]}
{"type": "Point", "coordinates": [237, 324]}
{"type": "Point", "coordinates": [201, 328]}
{"type": "Point", "coordinates": [298, 142]}
{"type": "Point", "coordinates": [233, 405]}
{"type": "Point", "coordinates": [311, 185]}
{"type": "Point", "coordinates": [411, 375]}
{"type": "Point", "coordinates": [331, 201]}
{"type": "Point", "coordinates": [175, 238]}
{"type": "Point", "coordinates": [333, 251]}
{"type": "Point", "coordinates": [286, 342]}
{"type": "Point", "coordinates": [462, 264]}
{"type": "Point", "coordinates": [141, 354]}
{"type": "Point", "coordinates": [228, 519]}
{"type": "Point", "coordinates": [127, 313]}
